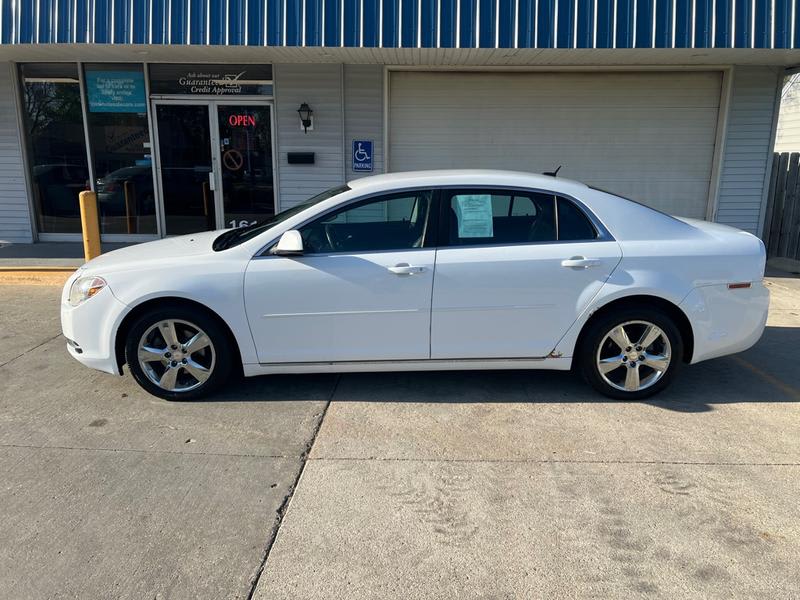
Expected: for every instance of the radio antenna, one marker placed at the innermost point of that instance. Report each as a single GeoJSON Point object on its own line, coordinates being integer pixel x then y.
{"type": "Point", "coordinates": [553, 173]}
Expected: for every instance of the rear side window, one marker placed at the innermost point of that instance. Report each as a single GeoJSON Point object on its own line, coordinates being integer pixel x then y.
{"type": "Point", "coordinates": [482, 217]}
{"type": "Point", "coordinates": [572, 223]}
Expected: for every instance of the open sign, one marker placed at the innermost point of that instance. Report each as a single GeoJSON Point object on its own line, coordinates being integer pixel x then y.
{"type": "Point", "coordinates": [242, 121]}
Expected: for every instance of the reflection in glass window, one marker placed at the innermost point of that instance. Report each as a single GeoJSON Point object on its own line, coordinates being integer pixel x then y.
{"type": "Point", "coordinates": [388, 223]}
{"type": "Point", "coordinates": [572, 223]}
{"type": "Point", "coordinates": [487, 217]}
{"type": "Point", "coordinates": [184, 138]}
{"type": "Point", "coordinates": [120, 142]}
{"type": "Point", "coordinates": [248, 194]}
{"type": "Point", "coordinates": [56, 144]}
{"type": "Point", "coordinates": [481, 217]}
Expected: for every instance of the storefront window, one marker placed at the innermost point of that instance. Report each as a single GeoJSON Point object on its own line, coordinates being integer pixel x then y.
{"type": "Point", "coordinates": [246, 147]}
{"type": "Point", "coordinates": [186, 168]}
{"type": "Point", "coordinates": [121, 151]}
{"type": "Point", "coordinates": [56, 144]}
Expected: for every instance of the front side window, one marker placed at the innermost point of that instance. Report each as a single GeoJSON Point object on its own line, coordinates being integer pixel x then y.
{"type": "Point", "coordinates": [483, 217]}
{"type": "Point", "coordinates": [234, 237]}
{"type": "Point", "coordinates": [396, 222]}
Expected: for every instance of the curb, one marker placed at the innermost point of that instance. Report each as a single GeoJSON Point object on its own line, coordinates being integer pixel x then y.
{"type": "Point", "coordinates": [37, 269]}
{"type": "Point", "coordinates": [35, 275]}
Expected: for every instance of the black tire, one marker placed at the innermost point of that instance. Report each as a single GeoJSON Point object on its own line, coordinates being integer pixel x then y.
{"type": "Point", "coordinates": [217, 358]}
{"type": "Point", "coordinates": [590, 351]}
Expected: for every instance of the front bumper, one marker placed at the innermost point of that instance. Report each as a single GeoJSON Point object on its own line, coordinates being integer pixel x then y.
{"type": "Point", "coordinates": [726, 321]}
{"type": "Point", "coordinates": [90, 328]}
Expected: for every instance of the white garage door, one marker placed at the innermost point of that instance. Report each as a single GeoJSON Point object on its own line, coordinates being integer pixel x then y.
{"type": "Point", "coordinates": [648, 136]}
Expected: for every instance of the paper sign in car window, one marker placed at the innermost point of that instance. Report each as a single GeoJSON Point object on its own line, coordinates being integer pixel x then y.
{"type": "Point", "coordinates": [474, 213]}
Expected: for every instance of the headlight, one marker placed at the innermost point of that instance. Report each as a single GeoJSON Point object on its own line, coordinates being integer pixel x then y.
{"type": "Point", "coordinates": [84, 288]}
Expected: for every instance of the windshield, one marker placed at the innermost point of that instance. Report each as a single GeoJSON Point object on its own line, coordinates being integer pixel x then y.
{"type": "Point", "coordinates": [234, 237]}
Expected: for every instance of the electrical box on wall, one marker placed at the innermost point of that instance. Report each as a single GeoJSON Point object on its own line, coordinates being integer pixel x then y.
{"type": "Point", "coordinates": [300, 158]}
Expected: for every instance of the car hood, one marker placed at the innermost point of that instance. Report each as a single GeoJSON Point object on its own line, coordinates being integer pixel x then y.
{"type": "Point", "coordinates": [194, 244]}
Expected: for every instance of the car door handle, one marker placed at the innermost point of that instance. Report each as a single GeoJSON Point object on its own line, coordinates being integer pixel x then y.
{"type": "Point", "coordinates": [581, 262]}
{"type": "Point", "coordinates": [405, 269]}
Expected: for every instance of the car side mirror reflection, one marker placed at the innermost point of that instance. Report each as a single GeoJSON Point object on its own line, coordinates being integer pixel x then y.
{"type": "Point", "coordinates": [290, 244]}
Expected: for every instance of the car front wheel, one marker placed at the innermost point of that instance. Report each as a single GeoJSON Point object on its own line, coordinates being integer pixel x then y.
{"type": "Point", "coordinates": [178, 353]}
{"type": "Point", "coordinates": [631, 354]}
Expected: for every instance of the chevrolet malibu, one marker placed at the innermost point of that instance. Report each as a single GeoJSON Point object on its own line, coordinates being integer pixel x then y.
{"type": "Point", "coordinates": [426, 271]}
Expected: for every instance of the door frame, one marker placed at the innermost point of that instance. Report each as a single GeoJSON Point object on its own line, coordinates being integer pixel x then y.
{"type": "Point", "coordinates": [216, 158]}
{"type": "Point", "coordinates": [217, 154]}
{"type": "Point", "coordinates": [162, 232]}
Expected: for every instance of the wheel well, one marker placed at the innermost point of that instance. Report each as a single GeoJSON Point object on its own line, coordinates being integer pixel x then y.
{"type": "Point", "coordinates": [139, 310]}
{"type": "Point", "coordinates": [673, 311]}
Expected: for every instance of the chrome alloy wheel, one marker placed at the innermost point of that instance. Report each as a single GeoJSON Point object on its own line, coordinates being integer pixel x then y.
{"type": "Point", "coordinates": [633, 356]}
{"type": "Point", "coordinates": [176, 355]}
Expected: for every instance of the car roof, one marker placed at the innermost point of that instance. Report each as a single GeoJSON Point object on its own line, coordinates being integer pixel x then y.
{"type": "Point", "coordinates": [464, 177]}
{"type": "Point", "coordinates": [622, 218]}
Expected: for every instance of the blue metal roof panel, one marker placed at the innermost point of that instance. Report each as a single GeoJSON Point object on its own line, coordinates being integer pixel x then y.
{"type": "Point", "coordinates": [408, 23]}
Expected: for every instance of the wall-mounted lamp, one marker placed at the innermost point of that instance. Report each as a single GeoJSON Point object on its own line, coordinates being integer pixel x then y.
{"type": "Point", "coordinates": [306, 117]}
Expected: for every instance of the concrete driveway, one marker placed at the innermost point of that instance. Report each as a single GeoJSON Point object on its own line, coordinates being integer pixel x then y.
{"type": "Point", "coordinates": [110, 493]}
{"type": "Point", "coordinates": [425, 485]}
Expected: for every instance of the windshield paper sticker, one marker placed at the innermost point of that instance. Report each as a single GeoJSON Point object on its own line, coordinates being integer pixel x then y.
{"type": "Point", "coordinates": [474, 214]}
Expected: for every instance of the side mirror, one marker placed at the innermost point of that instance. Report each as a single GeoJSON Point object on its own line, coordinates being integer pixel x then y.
{"type": "Point", "coordinates": [290, 244]}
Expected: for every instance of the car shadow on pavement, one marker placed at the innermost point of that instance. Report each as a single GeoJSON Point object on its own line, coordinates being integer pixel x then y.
{"type": "Point", "coordinates": [765, 373]}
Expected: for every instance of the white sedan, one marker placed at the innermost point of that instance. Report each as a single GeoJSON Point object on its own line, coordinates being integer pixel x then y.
{"type": "Point", "coordinates": [426, 271]}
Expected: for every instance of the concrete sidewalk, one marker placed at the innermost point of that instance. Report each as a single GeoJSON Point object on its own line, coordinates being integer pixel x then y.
{"type": "Point", "coordinates": [111, 493]}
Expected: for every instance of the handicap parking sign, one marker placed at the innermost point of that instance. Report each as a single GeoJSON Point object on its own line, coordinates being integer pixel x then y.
{"type": "Point", "coordinates": [362, 156]}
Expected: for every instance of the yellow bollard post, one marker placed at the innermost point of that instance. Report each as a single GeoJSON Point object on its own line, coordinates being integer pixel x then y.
{"type": "Point", "coordinates": [90, 225]}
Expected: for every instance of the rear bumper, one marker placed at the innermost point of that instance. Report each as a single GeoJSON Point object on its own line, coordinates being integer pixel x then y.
{"type": "Point", "coordinates": [726, 321]}
{"type": "Point", "coordinates": [89, 329]}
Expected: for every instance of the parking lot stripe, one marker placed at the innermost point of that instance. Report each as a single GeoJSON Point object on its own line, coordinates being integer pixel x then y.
{"type": "Point", "coordinates": [789, 390]}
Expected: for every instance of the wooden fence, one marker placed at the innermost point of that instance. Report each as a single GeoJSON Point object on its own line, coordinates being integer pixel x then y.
{"type": "Point", "coordinates": [782, 225]}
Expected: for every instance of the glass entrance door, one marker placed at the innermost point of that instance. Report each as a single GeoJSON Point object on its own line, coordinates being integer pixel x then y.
{"type": "Point", "coordinates": [245, 143]}
{"type": "Point", "coordinates": [215, 164]}
{"type": "Point", "coordinates": [186, 168]}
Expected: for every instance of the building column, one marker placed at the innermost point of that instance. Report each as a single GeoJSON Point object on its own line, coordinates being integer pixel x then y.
{"type": "Point", "coordinates": [748, 147]}
{"type": "Point", "coordinates": [15, 210]}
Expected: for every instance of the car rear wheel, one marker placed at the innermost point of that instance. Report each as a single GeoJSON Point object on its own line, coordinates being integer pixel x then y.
{"type": "Point", "coordinates": [631, 354]}
{"type": "Point", "coordinates": [178, 353]}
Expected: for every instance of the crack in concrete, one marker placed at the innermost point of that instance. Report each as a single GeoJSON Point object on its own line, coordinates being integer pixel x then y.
{"type": "Point", "coordinates": [29, 350]}
{"type": "Point", "coordinates": [543, 461]}
{"type": "Point", "coordinates": [281, 512]}
{"type": "Point", "coordinates": [150, 451]}
{"type": "Point", "coordinates": [304, 455]}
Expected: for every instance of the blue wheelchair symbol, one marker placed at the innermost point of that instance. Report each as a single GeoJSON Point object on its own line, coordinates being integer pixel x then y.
{"type": "Point", "coordinates": [362, 156]}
